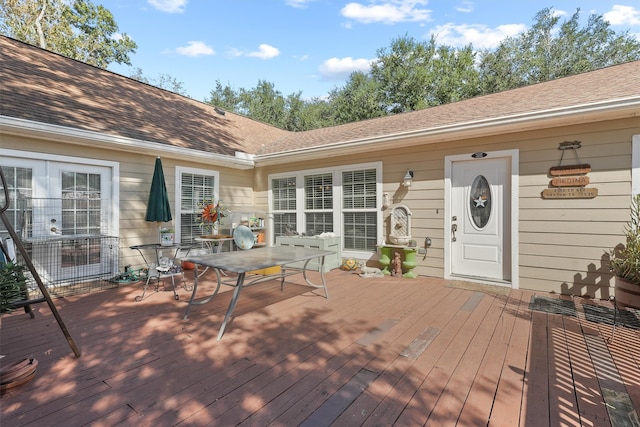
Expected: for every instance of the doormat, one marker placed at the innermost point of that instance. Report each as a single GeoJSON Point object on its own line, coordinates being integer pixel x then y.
{"type": "Point", "coordinates": [606, 315]}
{"type": "Point", "coordinates": [553, 305]}
{"type": "Point", "coordinates": [479, 287]}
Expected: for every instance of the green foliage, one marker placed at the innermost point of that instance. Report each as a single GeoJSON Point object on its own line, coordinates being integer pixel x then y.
{"type": "Point", "coordinates": [358, 100]}
{"type": "Point", "coordinates": [414, 75]}
{"type": "Point", "coordinates": [625, 261]}
{"type": "Point", "coordinates": [224, 97]}
{"type": "Point", "coordinates": [78, 29]}
{"type": "Point", "coordinates": [164, 81]}
{"type": "Point", "coordinates": [550, 50]}
{"type": "Point", "coordinates": [12, 286]}
{"type": "Point", "coordinates": [411, 75]}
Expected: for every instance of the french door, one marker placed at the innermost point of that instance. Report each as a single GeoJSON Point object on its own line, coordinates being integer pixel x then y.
{"type": "Point", "coordinates": [62, 211]}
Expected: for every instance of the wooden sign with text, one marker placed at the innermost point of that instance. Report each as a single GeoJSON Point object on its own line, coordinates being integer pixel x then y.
{"type": "Point", "coordinates": [570, 193]}
{"type": "Point", "coordinates": [570, 170]}
{"type": "Point", "coordinates": [570, 181]}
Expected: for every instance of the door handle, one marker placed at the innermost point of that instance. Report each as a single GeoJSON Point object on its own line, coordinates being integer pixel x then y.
{"type": "Point", "coordinates": [454, 228]}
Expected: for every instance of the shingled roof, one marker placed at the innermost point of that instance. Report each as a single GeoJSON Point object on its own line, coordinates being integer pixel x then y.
{"type": "Point", "coordinates": [615, 83]}
{"type": "Point", "coordinates": [45, 87]}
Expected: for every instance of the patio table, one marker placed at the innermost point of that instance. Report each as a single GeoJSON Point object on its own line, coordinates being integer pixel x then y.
{"type": "Point", "coordinates": [243, 262]}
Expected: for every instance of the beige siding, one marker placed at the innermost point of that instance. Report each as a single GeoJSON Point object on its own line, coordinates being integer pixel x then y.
{"type": "Point", "coordinates": [136, 171]}
{"type": "Point", "coordinates": [562, 242]}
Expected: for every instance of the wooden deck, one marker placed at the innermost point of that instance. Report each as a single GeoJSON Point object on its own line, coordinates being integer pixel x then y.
{"type": "Point", "coordinates": [378, 352]}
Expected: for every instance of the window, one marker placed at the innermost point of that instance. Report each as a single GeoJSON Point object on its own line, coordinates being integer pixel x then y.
{"type": "Point", "coordinates": [359, 209]}
{"type": "Point", "coordinates": [19, 183]}
{"type": "Point", "coordinates": [318, 200]}
{"type": "Point", "coordinates": [195, 186]}
{"type": "Point", "coordinates": [283, 196]}
{"type": "Point", "coordinates": [81, 204]}
{"type": "Point", "coordinates": [480, 202]}
{"type": "Point", "coordinates": [344, 201]}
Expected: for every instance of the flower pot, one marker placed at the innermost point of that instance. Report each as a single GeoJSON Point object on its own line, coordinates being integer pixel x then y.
{"type": "Point", "coordinates": [186, 265]}
{"type": "Point", "coordinates": [627, 293]}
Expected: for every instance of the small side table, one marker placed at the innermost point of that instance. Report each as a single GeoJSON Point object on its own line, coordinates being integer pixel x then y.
{"type": "Point", "coordinates": [163, 267]}
{"type": "Point", "coordinates": [408, 259]}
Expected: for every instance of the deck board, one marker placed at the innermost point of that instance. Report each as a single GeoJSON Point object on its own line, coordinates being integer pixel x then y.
{"type": "Point", "coordinates": [380, 351]}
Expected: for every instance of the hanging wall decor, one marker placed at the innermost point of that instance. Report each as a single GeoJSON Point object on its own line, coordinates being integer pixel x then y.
{"type": "Point", "coordinates": [570, 181]}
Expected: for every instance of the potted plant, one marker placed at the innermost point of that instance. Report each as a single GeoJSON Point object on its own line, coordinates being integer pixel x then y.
{"type": "Point", "coordinates": [210, 218]}
{"type": "Point", "coordinates": [13, 285]}
{"type": "Point", "coordinates": [624, 261]}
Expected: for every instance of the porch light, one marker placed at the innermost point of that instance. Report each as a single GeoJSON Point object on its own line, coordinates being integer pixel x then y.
{"type": "Point", "coordinates": [408, 178]}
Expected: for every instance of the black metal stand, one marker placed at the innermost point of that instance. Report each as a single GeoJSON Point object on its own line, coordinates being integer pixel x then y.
{"type": "Point", "coordinates": [32, 269]}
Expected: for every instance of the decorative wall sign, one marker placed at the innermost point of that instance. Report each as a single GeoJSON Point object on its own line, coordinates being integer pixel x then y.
{"type": "Point", "coordinates": [570, 181]}
{"type": "Point", "coordinates": [570, 170]}
{"type": "Point", "coordinates": [570, 193]}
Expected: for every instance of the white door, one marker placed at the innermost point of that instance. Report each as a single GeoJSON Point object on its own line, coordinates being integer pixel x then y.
{"type": "Point", "coordinates": [80, 216]}
{"type": "Point", "coordinates": [62, 209]}
{"type": "Point", "coordinates": [481, 219]}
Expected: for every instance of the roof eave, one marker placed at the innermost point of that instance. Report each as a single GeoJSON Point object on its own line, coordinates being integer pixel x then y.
{"type": "Point", "coordinates": [579, 114]}
{"type": "Point", "coordinates": [49, 132]}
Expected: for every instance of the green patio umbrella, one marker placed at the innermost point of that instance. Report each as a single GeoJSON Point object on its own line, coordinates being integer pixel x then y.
{"type": "Point", "coordinates": [158, 208]}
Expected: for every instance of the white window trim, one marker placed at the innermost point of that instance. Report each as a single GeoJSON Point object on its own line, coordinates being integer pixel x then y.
{"type": "Point", "coordinates": [178, 196]}
{"type": "Point", "coordinates": [337, 194]}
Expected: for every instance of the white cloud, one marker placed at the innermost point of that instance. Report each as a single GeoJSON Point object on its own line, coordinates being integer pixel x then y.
{"type": "Point", "coordinates": [195, 48]}
{"type": "Point", "coordinates": [298, 3]}
{"type": "Point", "coordinates": [465, 7]}
{"type": "Point", "coordinates": [169, 6]}
{"type": "Point", "coordinates": [340, 69]}
{"type": "Point", "coordinates": [265, 52]}
{"type": "Point", "coordinates": [388, 12]}
{"type": "Point", "coordinates": [480, 36]}
{"type": "Point", "coordinates": [623, 15]}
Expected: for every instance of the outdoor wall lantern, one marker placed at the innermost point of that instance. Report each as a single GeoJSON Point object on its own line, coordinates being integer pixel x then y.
{"type": "Point", "coordinates": [408, 178]}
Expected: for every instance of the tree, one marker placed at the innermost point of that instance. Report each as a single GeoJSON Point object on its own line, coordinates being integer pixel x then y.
{"type": "Point", "coordinates": [264, 103]}
{"type": "Point", "coordinates": [79, 30]}
{"type": "Point", "coordinates": [224, 97]}
{"type": "Point", "coordinates": [164, 81]}
{"type": "Point", "coordinates": [358, 100]}
{"type": "Point", "coordinates": [549, 51]}
{"type": "Point", "coordinates": [414, 75]}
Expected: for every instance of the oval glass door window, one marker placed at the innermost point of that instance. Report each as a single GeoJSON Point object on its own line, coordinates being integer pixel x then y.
{"type": "Point", "coordinates": [480, 201]}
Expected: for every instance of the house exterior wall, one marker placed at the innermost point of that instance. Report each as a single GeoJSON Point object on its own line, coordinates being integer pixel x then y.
{"type": "Point", "coordinates": [562, 243]}
{"type": "Point", "coordinates": [134, 182]}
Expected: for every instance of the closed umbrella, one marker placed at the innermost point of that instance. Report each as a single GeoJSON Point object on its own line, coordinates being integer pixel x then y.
{"type": "Point", "coordinates": [158, 208]}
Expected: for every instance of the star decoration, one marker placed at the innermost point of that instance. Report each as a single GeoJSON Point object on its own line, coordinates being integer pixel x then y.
{"type": "Point", "coordinates": [479, 202]}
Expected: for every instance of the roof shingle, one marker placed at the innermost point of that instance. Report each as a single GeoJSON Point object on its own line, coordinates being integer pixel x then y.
{"type": "Point", "coordinates": [45, 87]}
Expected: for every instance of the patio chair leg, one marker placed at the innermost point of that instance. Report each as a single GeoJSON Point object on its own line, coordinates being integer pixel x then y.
{"type": "Point", "coordinates": [144, 290]}
{"type": "Point", "coordinates": [173, 283]}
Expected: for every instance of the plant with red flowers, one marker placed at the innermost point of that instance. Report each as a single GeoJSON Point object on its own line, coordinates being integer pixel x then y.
{"type": "Point", "coordinates": [211, 214]}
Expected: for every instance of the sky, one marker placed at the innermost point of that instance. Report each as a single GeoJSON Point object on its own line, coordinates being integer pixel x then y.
{"type": "Point", "coordinates": [311, 46]}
